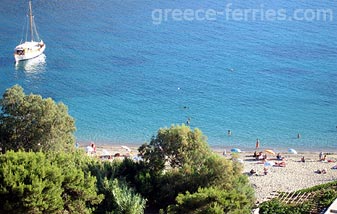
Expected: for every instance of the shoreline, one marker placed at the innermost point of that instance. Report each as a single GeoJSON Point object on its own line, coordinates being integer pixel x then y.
{"type": "Point", "coordinates": [220, 149]}
{"type": "Point", "coordinates": [294, 176]}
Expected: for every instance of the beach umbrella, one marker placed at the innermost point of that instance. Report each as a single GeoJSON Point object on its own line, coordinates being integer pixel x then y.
{"type": "Point", "coordinates": [269, 151]}
{"type": "Point", "coordinates": [269, 163]}
{"type": "Point", "coordinates": [126, 148]}
{"type": "Point", "coordinates": [235, 150]}
{"type": "Point", "coordinates": [292, 151]}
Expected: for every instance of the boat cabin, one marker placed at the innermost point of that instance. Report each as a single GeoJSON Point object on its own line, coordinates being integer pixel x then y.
{"type": "Point", "coordinates": [20, 52]}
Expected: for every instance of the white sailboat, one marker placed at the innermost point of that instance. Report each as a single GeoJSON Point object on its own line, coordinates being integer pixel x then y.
{"type": "Point", "coordinates": [34, 47]}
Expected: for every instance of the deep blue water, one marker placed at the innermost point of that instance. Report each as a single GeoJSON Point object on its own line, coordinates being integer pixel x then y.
{"type": "Point", "coordinates": [124, 77]}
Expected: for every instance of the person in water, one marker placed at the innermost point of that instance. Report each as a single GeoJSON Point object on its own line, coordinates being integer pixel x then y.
{"type": "Point", "coordinates": [188, 121]}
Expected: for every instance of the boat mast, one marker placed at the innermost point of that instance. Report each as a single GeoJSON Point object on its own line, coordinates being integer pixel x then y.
{"type": "Point", "coordinates": [31, 20]}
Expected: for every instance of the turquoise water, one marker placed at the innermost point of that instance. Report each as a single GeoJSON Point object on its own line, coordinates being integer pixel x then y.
{"type": "Point", "coordinates": [124, 77]}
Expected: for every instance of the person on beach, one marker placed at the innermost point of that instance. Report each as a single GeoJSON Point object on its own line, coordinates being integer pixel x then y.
{"type": "Point", "coordinates": [302, 159]}
{"type": "Point", "coordinates": [323, 171]}
{"type": "Point", "coordinates": [265, 171]}
{"type": "Point", "coordinates": [278, 156]}
{"type": "Point", "coordinates": [224, 153]}
{"type": "Point", "coordinates": [93, 147]}
{"type": "Point", "coordinates": [320, 156]}
{"type": "Point", "coordinates": [257, 145]}
{"type": "Point", "coordinates": [252, 172]}
{"type": "Point", "coordinates": [280, 164]}
{"type": "Point", "coordinates": [255, 154]}
{"type": "Point", "coordinates": [260, 156]}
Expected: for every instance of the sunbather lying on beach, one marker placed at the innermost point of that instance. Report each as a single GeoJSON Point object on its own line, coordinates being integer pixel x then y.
{"type": "Point", "coordinates": [252, 172]}
{"type": "Point", "coordinates": [280, 164]}
{"type": "Point", "coordinates": [323, 171]}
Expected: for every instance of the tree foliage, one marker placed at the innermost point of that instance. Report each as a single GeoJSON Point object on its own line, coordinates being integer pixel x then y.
{"type": "Point", "coordinates": [211, 200]}
{"type": "Point", "coordinates": [276, 206]}
{"type": "Point", "coordinates": [36, 183]}
{"type": "Point", "coordinates": [176, 146]}
{"type": "Point", "coordinates": [31, 123]}
{"type": "Point", "coordinates": [120, 195]}
{"type": "Point", "coordinates": [127, 201]}
{"type": "Point", "coordinates": [180, 160]}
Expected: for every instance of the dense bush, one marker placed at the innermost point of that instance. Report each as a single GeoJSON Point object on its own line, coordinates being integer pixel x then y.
{"type": "Point", "coordinates": [211, 200]}
{"type": "Point", "coordinates": [329, 185]}
{"type": "Point", "coordinates": [120, 196]}
{"type": "Point", "coordinates": [40, 183]}
{"type": "Point", "coordinates": [275, 206]}
{"type": "Point", "coordinates": [126, 199]}
{"type": "Point", "coordinates": [326, 197]}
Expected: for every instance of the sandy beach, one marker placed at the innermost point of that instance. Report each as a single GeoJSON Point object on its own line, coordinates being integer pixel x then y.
{"type": "Point", "coordinates": [295, 175]}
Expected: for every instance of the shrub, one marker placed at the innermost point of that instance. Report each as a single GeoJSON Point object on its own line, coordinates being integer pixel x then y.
{"type": "Point", "coordinates": [45, 183]}
{"type": "Point", "coordinates": [211, 200]}
{"type": "Point", "coordinates": [275, 206]}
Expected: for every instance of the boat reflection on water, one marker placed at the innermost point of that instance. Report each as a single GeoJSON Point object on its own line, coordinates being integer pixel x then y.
{"type": "Point", "coordinates": [35, 65]}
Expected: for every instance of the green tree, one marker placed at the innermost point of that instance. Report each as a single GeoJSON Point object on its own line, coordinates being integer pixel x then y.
{"type": "Point", "coordinates": [180, 160]}
{"type": "Point", "coordinates": [29, 183]}
{"type": "Point", "coordinates": [211, 200]}
{"type": "Point", "coordinates": [46, 183]}
{"type": "Point", "coordinates": [31, 123]}
{"type": "Point", "coordinates": [175, 146]}
{"type": "Point", "coordinates": [79, 193]}
{"type": "Point", "coordinates": [127, 201]}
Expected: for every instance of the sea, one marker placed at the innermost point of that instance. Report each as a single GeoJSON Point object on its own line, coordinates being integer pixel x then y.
{"type": "Point", "coordinates": [262, 69]}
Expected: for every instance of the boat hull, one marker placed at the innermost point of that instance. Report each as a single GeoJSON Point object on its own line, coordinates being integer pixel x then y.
{"type": "Point", "coordinates": [30, 50]}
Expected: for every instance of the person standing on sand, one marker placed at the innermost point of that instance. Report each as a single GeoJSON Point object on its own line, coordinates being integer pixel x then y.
{"type": "Point", "coordinates": [257, 145]}
{"type": "Point", "coordinates": [265, 171]}
{"type": "Point", "coordinates": [93, 147]}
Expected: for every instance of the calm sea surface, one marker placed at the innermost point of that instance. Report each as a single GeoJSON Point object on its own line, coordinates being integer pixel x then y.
{"type": "Point", "coordinates": [124, 77]}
